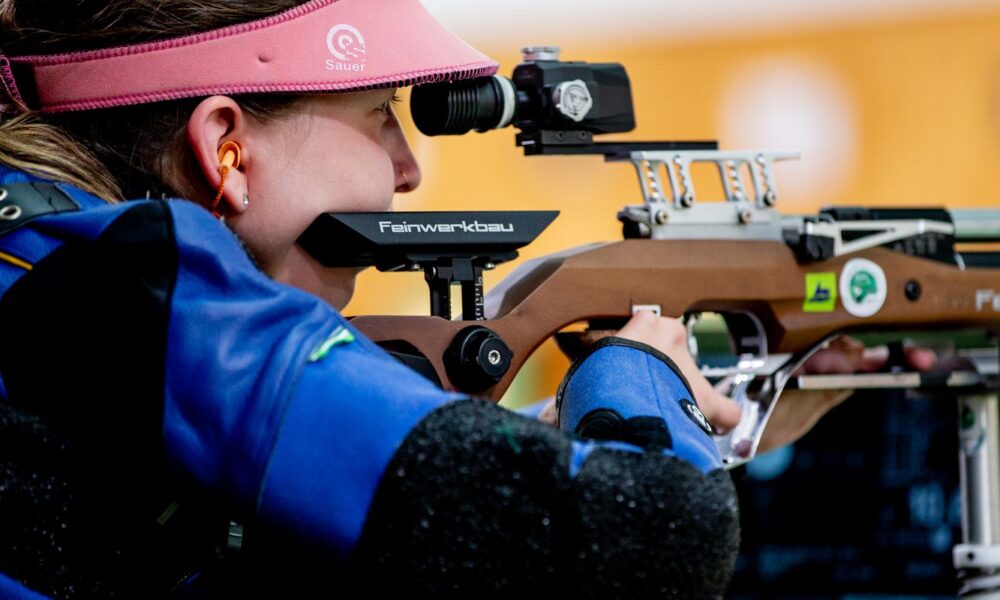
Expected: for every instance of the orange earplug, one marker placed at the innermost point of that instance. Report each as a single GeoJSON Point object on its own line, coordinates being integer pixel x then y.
{"type": "Point", "coordinates": [229, 158]}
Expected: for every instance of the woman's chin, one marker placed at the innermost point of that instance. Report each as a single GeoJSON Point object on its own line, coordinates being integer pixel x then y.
{"type": "Point", "coordinates": [339, 295]}
{"type": "Point", "coordinates": [333, 285]}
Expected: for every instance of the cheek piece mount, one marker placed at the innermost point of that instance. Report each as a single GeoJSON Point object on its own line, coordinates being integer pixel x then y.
{"type": "Point", "coordinates": [319, 46]}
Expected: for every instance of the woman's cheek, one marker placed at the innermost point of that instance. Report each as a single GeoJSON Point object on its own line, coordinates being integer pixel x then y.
{"type": "Point", "coordinates": [267, 238]}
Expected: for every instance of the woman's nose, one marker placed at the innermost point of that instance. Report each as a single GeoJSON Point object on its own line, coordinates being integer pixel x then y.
{"type": "Point", "coordinates": [407, 171]}
{"type": "Point", "coordinates": [407, 174]}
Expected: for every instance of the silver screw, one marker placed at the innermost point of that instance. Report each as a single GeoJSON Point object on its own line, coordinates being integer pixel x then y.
{"type": "Point", "coordinates": [535, 53]}
{"type": "Point", "coordinates": [11, 212]}
{"type": "Point", "coordinates": [734, 179]}
{"type": "Point", "coordinates": [746, 216]}
{"type": "Point", "coordinates": [662, 217]}
{"type": "Point", "coordinates": [493, 357]}
{"type": "Point", "coordinates": [770, 198]}
{"type": "Point", "coordinates": [687, 200]}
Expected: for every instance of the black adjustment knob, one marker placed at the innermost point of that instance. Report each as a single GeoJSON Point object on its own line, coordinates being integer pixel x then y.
{"type": "Point", "coordinates": [477, 359]}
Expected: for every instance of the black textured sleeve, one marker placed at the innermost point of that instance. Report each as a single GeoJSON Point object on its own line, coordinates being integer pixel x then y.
{"type": "Point", "coordinates": [481, 500]}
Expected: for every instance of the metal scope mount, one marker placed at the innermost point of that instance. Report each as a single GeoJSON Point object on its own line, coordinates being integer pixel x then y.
{"type": "Point", "coordinates": [449, 247]}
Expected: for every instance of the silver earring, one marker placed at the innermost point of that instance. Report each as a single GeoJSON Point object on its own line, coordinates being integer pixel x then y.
{"type": "Point", "coordinates": [246, 200]}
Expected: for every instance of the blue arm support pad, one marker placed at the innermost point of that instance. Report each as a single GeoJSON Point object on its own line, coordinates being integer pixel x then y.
{"type": "Point", "coordinates": [636, 380]}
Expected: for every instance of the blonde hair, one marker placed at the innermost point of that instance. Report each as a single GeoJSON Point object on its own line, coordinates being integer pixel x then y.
{"type": "Point", "coordinates": [119, 152]}
{"type": "Point", "coordinates": [28, 143]}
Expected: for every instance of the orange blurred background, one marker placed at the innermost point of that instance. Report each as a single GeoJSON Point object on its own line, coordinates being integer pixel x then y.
{"type": "Point", "coordinates": [905, 111]}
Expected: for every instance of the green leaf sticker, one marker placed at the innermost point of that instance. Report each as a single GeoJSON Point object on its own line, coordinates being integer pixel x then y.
{"type": "Point", "coordinates": [821, 292]}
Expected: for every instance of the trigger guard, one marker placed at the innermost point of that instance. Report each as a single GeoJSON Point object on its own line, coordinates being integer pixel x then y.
{"type": "Point", "coordinates": [739, 445]}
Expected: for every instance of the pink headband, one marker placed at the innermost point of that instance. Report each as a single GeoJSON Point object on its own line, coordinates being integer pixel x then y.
{"type": "Point", "coordinates": [320, 46]}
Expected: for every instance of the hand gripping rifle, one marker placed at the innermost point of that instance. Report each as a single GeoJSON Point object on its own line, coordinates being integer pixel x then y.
{"type": "Point", "coordinates": [784, 285]}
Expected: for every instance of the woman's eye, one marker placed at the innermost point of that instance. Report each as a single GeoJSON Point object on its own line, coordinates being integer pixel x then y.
{"type": "Point", "coordinates": [386, 106]}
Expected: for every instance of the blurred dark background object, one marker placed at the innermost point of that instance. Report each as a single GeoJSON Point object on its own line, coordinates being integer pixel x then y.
{"type": "Point", "coordinates": [864, 506]}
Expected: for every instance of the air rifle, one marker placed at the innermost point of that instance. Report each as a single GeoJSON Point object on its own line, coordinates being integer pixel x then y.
{"type": "Point", "coordinates": [784, 285]}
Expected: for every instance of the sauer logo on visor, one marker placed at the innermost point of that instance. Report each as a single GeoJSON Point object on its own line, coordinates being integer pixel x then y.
{"type": "Point", "coordinates": [347, 45]}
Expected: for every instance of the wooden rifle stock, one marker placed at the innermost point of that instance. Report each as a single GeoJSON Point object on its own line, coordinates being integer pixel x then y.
{"type": "Point", "coordinates": [606, 281]}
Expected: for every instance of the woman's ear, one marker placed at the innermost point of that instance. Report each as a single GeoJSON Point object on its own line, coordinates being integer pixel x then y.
{"type": "Point", "coordinates": [215, 121]}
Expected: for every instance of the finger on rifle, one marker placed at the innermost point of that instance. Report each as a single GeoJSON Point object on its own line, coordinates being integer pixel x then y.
{"type": "Point", "coordinates": [720, 410]}
{"type": "Point", "coordinates": [841, 356]}
{"type": "Point", "coordinates": [845, 355]}
{"type": "Point", "coordinates": [549, 416]}
{"type": "Point", "coordinates": [662, 333]}
{"type": "Point", "coordinates": [917, 358]}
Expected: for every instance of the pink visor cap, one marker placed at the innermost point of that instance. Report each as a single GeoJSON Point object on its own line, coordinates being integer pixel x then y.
{"type": "Point", "coordinates": [319, 46]}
